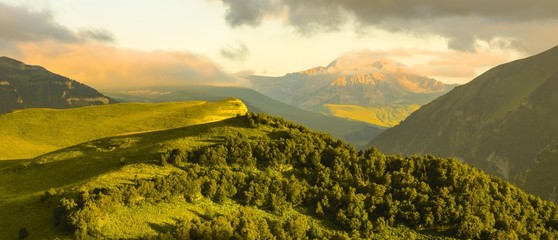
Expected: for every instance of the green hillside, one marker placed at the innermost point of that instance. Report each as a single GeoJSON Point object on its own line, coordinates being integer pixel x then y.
{"type": "Point", "coordinates": [357, 133]}
{"type": "Point", "coordinates": [541, 178]}
{"type": "Point", "coordinates": [499, 121]}
{"type": "Point", "coordinates": [26, 86]}
{"type": "Point", "coordinates": [385, 116]}
{"type": "Point", "coordinates": [254, 177]}
{"type": "Point", "coordinates": [31, 132]}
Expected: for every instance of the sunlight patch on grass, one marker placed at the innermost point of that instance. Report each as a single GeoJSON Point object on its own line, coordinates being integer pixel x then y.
{"type": "Point", "coordinates": [385, 116]}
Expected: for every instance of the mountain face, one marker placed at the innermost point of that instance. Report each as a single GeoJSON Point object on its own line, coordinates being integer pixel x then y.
{"type": "Point", "coordinates": [379, 83]}
{"type": "Point", "coordinates": [499, 121]}
{"type": "Point", "coordinates": [541, 178]}
{"type": "Point", "coordinates": [356, 133]}
{"type": "Point", "coordinates": [25, 86]}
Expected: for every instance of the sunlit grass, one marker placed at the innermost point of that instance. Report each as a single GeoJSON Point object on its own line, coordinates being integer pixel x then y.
{"type": "Point", "coordinates": [32, 132]}
{"type": "Point", "coordinates": [385, 116]}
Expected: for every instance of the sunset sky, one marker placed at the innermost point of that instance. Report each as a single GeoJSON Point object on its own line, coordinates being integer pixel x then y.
{"type": "Point", "coordinates": [141, 43]}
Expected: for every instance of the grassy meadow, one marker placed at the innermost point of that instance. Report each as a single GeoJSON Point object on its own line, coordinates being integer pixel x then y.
{"type": "Point", "coordinates": [385, 116]}
{"type": "Point", "coordinates": [31, 132]}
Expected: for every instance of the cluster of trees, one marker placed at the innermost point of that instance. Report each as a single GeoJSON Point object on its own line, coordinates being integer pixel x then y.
{"type": "Point", "coordinates": [241, 225]}
{"type": "Point", "coordinates": [361, 192]}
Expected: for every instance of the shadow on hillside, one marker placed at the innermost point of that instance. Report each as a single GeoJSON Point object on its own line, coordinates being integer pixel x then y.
{"type": "Point", "coordinates": [161, 228]}
{"type": "Point", "coordinates": [6, 164]}
{"type": "Point", "coordinates": [71, 172]}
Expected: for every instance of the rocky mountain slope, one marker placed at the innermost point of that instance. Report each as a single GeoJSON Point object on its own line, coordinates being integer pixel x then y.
{"type": "Point", "coordinates": [379, 83]}
{"type": "Point", "coordinates": [26, 86]}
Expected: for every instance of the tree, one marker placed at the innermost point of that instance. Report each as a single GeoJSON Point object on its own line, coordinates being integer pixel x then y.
{"type": "Point", "coordinates": [23, 233]}
{"type": "Point", "coordinates": [471, 227]}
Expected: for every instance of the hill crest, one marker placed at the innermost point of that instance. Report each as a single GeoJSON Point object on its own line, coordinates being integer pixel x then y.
{"type": "Point", "coordinates": [28, 133]}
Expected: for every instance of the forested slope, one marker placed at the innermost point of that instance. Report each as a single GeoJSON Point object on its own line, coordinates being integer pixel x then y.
{"type": "Point", "coordinates": [499, 121]}
{"type": "Point", "coordinates": [261, 177]}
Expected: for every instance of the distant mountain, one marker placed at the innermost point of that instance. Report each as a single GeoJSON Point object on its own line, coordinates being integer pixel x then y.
{"type": "Point", "coordinates": [26, 86]}
{"type": "Point", "coordinates": [499, 121]}
{"type": "Point", "coordinates": [377, 84]}
{"type": "Point", "coordinates": [357, 133]}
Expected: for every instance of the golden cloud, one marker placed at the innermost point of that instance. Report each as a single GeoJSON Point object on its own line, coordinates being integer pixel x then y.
{"type": "Point", "coordinates": [103, 66]}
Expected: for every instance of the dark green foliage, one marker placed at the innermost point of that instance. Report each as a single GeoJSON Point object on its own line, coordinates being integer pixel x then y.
{"type": "Point", "coordinates": [48, 196]}
{"type": "Point", "coordinates": [541, 178]}
{"type": "Point", "coordinates": [23, 233]}
{"type": "Point", "coordinates": [239, 225]}
{"type": "Point", "coordinates": [358, 192]}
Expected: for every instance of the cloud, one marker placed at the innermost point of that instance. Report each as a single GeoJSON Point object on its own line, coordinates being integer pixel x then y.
{"type": "Point", "coordinates": [102, 35]}
{"type": "Point", "coordinates": [238, 52]}
{"type": "Point", "coordinates": [18, 24]}
{"type": "Point", "coordinates": [249, 12]}
{"type": "Point", "coordinates": [463, 23]}
{"type": "Point", "coordinates": [446, 66]}
{"type": "Point", "coordinates": [87, 56]}
{"type": "Point", "coordinates": [107, 67]}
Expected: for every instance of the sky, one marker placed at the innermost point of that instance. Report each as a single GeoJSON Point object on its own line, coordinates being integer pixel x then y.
{"type": "Point", "coordinates": [124, 43]}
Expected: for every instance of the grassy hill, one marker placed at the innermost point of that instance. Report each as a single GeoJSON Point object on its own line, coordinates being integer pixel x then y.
{"type": "Point", "coordinates": [499, 121]}
{"type": "Point", "coordinates": [385, 116]}
{"type": "Point", "coordinates": [357, 133]}
{"type": "Point", "coordinates": [100, 163]}
{"type": "Point", "coordinates": [26, 86]}
{"type": "Point", "coordinates": [257, 176]}
{"type": "Point", "coordinates": [107, 163]}
{"type": "Point", "coordinates": [31, 132]}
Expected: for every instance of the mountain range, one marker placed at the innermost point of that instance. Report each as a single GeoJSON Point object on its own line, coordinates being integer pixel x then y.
{"type": "Point", "coordinates": [499, 121]}
{"type": "Point", "coordinates": [382, 83]}
{"type": "Point", "coordinates": [26, 86]}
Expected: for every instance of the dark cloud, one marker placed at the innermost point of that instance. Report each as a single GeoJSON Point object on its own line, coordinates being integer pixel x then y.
{"type": "Point", "coordinates": [462, 22]}
{"type": "Point", "coordinates": [239, 52]}
{"type": "Point", "coordinates": [18, 24]}
{"type": "Point", "coordinates": [249, 12]}
{"type": "Point", "coordinates": [102, 35]}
